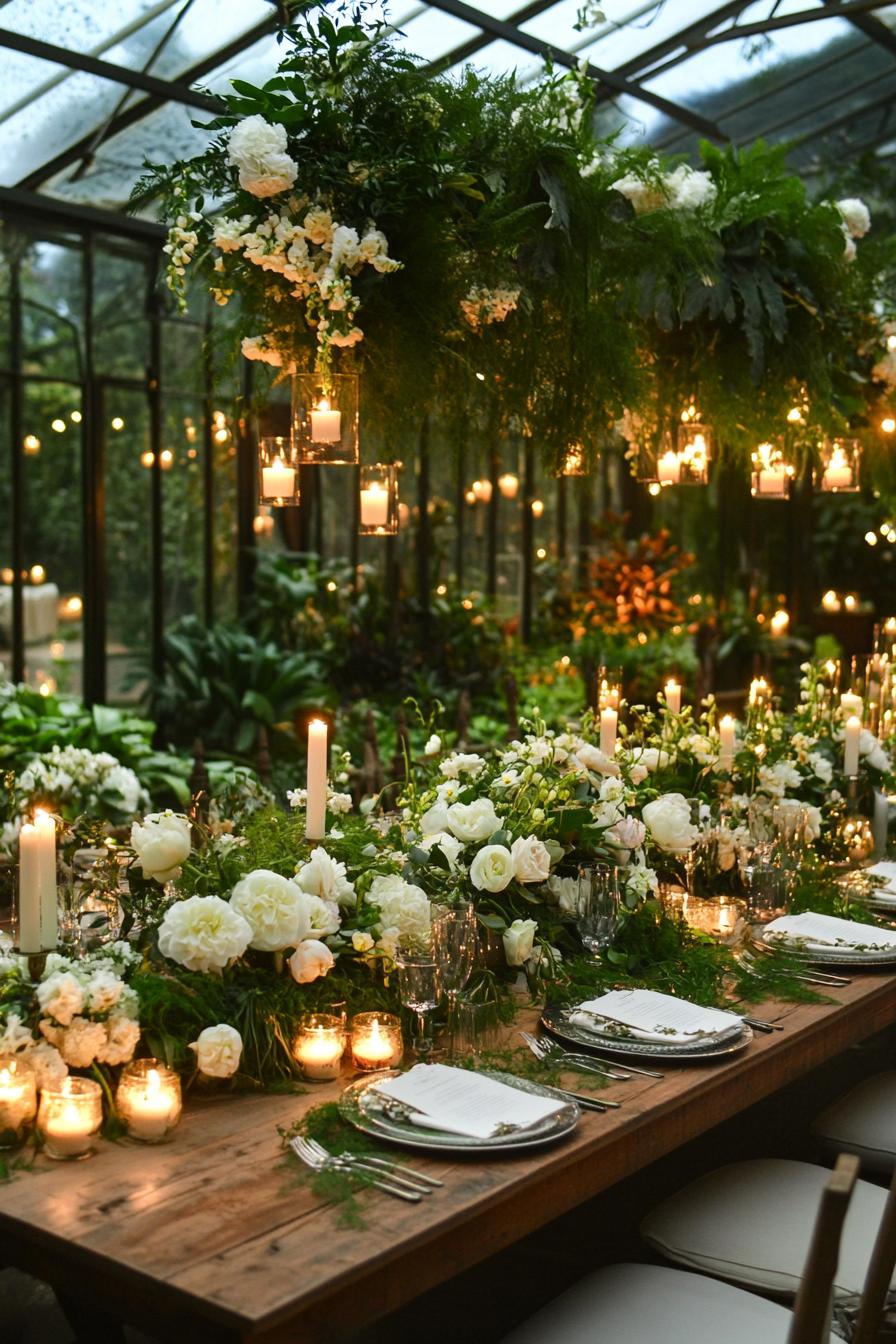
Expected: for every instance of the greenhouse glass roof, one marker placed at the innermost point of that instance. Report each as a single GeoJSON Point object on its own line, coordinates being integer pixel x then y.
{"type": "Point", "coordinates": [90, 89]}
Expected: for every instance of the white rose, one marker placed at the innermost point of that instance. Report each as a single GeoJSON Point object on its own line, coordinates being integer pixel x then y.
{"type": "Point", "coordinates": [449, 846]}
{"type": "Point", "coordinates": [310, 960]}
{"type": "Point", "coordinates": [433, 745]}
{"type": "Point", "coordinates": [565, 891]}
{"type": "Point", "coordinates": [668, 819]}
{"type": "Point", "coordinates": [653, 759]}
{"type": "Point", "coordinates": [592, 758]}
{"type": "Point", "coordinates": [434, 821]}
{"type": "Point", "coordinates": [855, 215]}
{"type": "Point", "coordinates": [461, 763]}
{"type": "Point", "coordinates": [203, 933]}
{"type": "Point", "coordinates": [323, 916]}
{"type": "Point", "coordinates": [519, 939]}
{"type": "Point", "coordinates": [492, 868]}
{"type": "Point", "coordinates": [274, 908]}
{"type": "Point", "coordinates": [325, 877]}
{"type": "Point", "coordinates": [162, 841]}
{"type": "Point", "coordinates": [362, 940]}
{"type": "Point", "coordinates": [821, 767]}
{"type": "Point", "coordinates": [61, 996]}
{"type": "Point", "coordinates": [628, 833]}
{"type": "Point", "coordinates": [473, 821]}
{"type": "Point", "coordinates": [218, 1051]}
{"type": "Point", "coordinates": [531, 860]}
{"type": "Point", "coordinates": [258, 150]}
{"type": "Point", "coordinates": [403, 907]}
{"type": "Point", "coordinates": [637, 773]}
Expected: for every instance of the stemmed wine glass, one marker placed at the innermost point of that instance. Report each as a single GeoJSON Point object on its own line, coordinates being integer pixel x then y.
{"type": "Point", "coordinates": [597, 905]}
{"type": "Point", "coordinates": [420, 987]}
{"type": "Point", "coordinates": [454, 941]}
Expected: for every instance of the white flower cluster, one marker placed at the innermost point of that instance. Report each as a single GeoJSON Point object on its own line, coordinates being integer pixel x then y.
{"type": "Point", "coordinates": [182, 242]}
{"type": "Point", "coordinates": [483, 306]}
{"type": "Point", "coordinates": [82, 781]}
{"type": "Point", "coordinates": [89, 1014]}
{"type": "Point", "coordinates": [258, 150]}
{"type": "Point", "coordinates": [855, 221]}
{"type": "Point", "coordinates": [685, 188]}
{"type": "Point", "coordinates": [337, 803]}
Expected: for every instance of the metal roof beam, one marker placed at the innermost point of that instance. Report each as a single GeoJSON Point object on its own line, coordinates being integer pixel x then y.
{"type": "Point", "coordinates": [848, 10]}
{"type": "Point", "coordinates": [500, 28]}
{"type": "Point", "coordinates": [886, 100]}
{"type": "Point", "coordinates": [678, 46]}
{"type": "Point", "coordinates": [169, 90]}
{"type": "Point", "coordinates": [872, 27]}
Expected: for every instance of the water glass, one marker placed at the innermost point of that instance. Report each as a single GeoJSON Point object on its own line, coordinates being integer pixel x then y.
{"type": "Point", "coordinates": [455, 935]}
{"type": "Point", "coordinates": [597, 905]}
{"type": "Point", "coordinates": [478, 1023]}
{"type": "Point", "coordinates": [770, 891]}
{"type": "Point", "coordinates": [420, 988]}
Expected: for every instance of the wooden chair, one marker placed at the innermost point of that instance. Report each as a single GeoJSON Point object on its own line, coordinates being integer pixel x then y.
{"type": "Point", "coordinates": [812, 1310]}
{"type": "Point", "coordinates": [880, 1273]}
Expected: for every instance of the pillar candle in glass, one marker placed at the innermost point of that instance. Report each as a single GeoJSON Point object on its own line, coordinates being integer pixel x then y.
{"type": "Point", "coordinates": [37, 884]}
{"type": "Point", "coordinates": [668, 468]}
{"type": "Point", "coordinates": [376, 1041]}
{"type": "Point", "coordinates": [378, 514]}
{"type": "Point", "coordinates": [318, 1046]}
{"type": "Point", "coordinates": [18, 1099]}
{"type": "Point", "coordinates": [325, 418]}
{"type": "Point", "coordinates": [316, 805]}
{"type": "Point", "coordinates": [69, 1118]}
{"type": "Point", "coordinates": [852, 734]}
{"type": "Point", "coordinates": [148, 1100]}
{"type": "Point", "coordinates": [278, 472]}
{"type": "Point", "coordinates": [608, 724]}
{"type": "Point", "coordinates": [727, 733]}
{"type": "Point", "coordinates": [672, 692]}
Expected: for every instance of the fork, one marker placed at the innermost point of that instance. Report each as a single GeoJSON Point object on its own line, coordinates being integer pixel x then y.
{"type": "Point", "coordinates": [557, 1052]}
{"type": "Point", "coordinates": [748, 961]}
{"type": "Point", "coordinates": [311, 1159]}
{"type": "Point", "coordinates": [547, 1050]}
{"type": "Point", "coordinates": [393, 1170]}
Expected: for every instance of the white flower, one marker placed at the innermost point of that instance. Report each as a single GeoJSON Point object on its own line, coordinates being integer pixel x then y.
{"type": "Point", "coordinates": [15, 1036]}
{"type": "Point", "coordinates": [274, 908]}
{"type": "Point", "coordinates": [122, 1035]}
{"type": "Point", "coordinates": [855, 215]}
{"type": "Point", "coordinates": [628, 833]}
{"type": "Point", "coordinates": [325, 877]}
{"type": "Point", "coordinates": [688, 189]}
{"type": "Point", "coordinates": [473, 821]}
{"type": "Point", "coordinates": [641, 882]}
{"type": "Point", "coordinates": [434, 819]}
{"type": "Point", "coordinates": [61, 996]}
{"type": "Point", "coordinates": [492, 868]}
{"type": "Point", "coordinates": [402, 906]}
{"type": "Point", "coordinates": [874, 754]}
{"type": "Point", "coordinates": [462, 763]}
{"type": "Point", "coordinates": [644, 196]}
{"type": "Point", "coordinates": [218, 1051]}
{"type": "Point", "coordinates": [362, 940]}
{"type": "Point", "coordinates": [162, 841]}
{"type": "Point", "coordinates": [258, 150]}
{"type": "Point", "coordinates": [668, 819]}
{"type": "Point", "coordinates": [776, 779]}
{"type": "Point", "coordinates": [433, 745]}
{"type": "Point", "coordinates": [637, 773]}
{"type": "Point", "coordinates": [203, 933]}
{"type": "Point", "coordinates": [565, 891]}
{"type": "Point", "coordinates": [261, 348]}
{"type": "Point", "coordinates": [310, 960]}
{"type": "Point", "coordinates": [48, 1065]}
{"type": "Point", "coordinates": [80, 1043]}
{"type": "Point", "coordinates": [324, 917]}
{"type": "Point", "coordinates": [652, 759]}
{"type": "Point", "coordinates": [449, 846]}
{"type": "Point", "coordinates": [531, 860]}
{"type": "Point", "coordinates": [103, 991]}
{"type": "Point", "coordinates": [592, 758]}
{"type": "Point", "coordinates": [519, 939]}
{"type": "Point", "coordinates": [821, 767]}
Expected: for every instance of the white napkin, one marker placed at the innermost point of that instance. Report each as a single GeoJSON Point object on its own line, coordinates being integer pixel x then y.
{"type": "Point", "coordinates": [820, 933]}
{"type": "Point", "coordinates": [886, 873]}
{"type": "Point", "coordinates": [460, 1102]}
{"type": "Point", "coordinates": [649, 1016]}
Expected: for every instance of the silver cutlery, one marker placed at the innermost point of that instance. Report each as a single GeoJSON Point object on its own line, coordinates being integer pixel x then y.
{"type": "Point", "coordinates": [392, 1171]}
{"type": "Point", "coordinates": [303, 1150]}
{"type": "Point", "coordinates": [813, 977]}
{"type": "Point", "coordinates": [557, 1051]}
{"type": "Point", "coordinates": [760, 1025]}
{"type": "Point", "coordinates": [548, 1050]}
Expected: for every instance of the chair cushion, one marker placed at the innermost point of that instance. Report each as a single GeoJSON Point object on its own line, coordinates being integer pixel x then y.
{"type": "Point", "coordinates": [640, 1304]}
{"type": "Point", "coordinates": [752, 1223]}
{"type": "Point", "coordinates": [864, 1122]}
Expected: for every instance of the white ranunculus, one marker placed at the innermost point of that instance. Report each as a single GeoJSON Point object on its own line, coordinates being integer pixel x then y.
{"type": "Point", "coordinates": [203, 933]}
{"type": "Point", "coordinates": [668, 820]}
{"type": "Point", "coordinates": [325, 877]}
{"type": "Point", "coordinates": [310, 960]}
{"type": "Point", "coordinates": [162, 841]}
{"type": "Point", "coordinates": [402, 906]}
{"type": "Point", "coordinates": [258, 150]}
{"type": "Point", "coordinates": [531, 860]}
{"type": "Point", "coordinates": [275, 909]}
{"type": "Point", "coordinates": [492, 868]}
{"type": "Point", "coordinates": [218, 1051]}
{"type": "Point", "coordinates": [855, 215]}
{"type": "Point", "coordinates": [519, 939]}
{"type": "Point", "coordinates": [474, 821]}
{"type": "Point", "coordinates": [61, 996]}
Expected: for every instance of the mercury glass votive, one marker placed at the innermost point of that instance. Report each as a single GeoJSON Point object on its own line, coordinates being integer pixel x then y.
{"type": "Point", "coordinates": [318, 1046]}
{"type": "Point", "coordinates": [18, 1099]}
{"type": "Point", "coordinates": [69, 1118]}
{"type": "Point", "coordinates": [148, 1100]}
{"type": "Point", "coordinates": [376, 1041]}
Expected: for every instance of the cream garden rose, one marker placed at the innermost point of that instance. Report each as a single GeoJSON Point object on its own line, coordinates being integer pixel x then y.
{"type": "Point", "coordinates": [203, 933]}
{"type": "Point", "coordinates": [492, 868]}
{"type": "Point", "coordinates": [531, 859]}
{"type": "Point", "coordinates": [474, 821]}
{"type": "Point", "coordinates": [162, 841]}
{"type": "Point", "coordinates": [519, 940]}
{"type": "Point", "coordinates": [668, 819]}
{"type": "Point", "coordinates": [325, 877]}
{"type": "Point", "coordinates": [218, 1051]}
{"type": "Point", "coordinates": [404, 907]}
{"type": "Point", "coordinates": [275, 909]}
{"type": "Point", "coordinates": [310, 960]}
{"type": "Point", "coordinates": [258, 150]}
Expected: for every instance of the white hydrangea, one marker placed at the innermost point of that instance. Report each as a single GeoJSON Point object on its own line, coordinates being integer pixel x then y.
{"type": "Point", "coordinates": [61, 996]}
{"type": "Point", "coordinates": [103, 991]}
{"type": "Point", "coordinates": [203, 933]}
{"type": "Point", "coordinates": [48, 1065]}
{"type": "Point", "coordinates": [80, 1043]}
{"type": "Point", "coordinates": [122, 1035]}
{"type": "Point", "coordinates": [258, 150]}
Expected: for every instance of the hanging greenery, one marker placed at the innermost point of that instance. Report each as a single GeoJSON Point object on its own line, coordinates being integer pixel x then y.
{"type": "Point", "coordinates": [469, 245]}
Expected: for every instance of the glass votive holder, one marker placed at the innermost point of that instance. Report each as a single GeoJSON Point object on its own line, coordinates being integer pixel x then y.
{"type": "Point", "coordinates": [318, 1046]}
{"type": "Point", "coordinates": [723, 917]}
{"type": "Point", "coordinates": [69, 1118]}
{"type": "Point", "coordinates": [148, 1100]}
{"type": "Point", "coordinates": [376, 1041]}
{"type": "Point", "coordinates": [378, 500]}
{"type": "Point", "coordinates": [18, 1099]}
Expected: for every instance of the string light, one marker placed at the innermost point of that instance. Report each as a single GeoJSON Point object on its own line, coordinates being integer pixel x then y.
{"type": "Point", "coordinates": [537, 508]}
{"type": "Point", "coordinates": [871, 538]}
{"type": "Point", "coordinates": [509, 484]}
{"type": "Point", "coordinates": [780, 622]}
{"type": "Point", "coordinates": [654, 488]}
{"type": "Point", "coordinates": [442, 589]}
{"type": "Point", "coordinates": [31, 445]}
{"type": "Point", "coordinates": [331, 586]}
{"type": "Point", "coordinates": [58, 425]}
{"type": "Point", "coordinates": [147, 458]}
{"type": "Point", "coordinates": [74, 606]}
{"type": "Point", "coordinates": [888, 424]}
{"type": "Point", "coordinates": [117, 423]}
{"type": "Point", "coordinates": [541, 553]}
{"type": "Point", "coordinates": [75, 417]}
{"type": "Point", "coordinates": [166, 459]}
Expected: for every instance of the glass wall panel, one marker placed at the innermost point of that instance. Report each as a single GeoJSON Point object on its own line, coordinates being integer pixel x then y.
{"type": "Point", "coordinates": [125, 438]}
{"type": "Point", "coordinates": [122, 284]}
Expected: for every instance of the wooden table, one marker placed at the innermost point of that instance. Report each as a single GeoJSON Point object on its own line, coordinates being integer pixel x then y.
{"type": "Point", "coordinates": [207, 1239]}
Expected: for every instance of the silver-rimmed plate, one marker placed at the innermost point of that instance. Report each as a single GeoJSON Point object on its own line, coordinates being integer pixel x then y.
{"type": "Point", "coordinates": [836, 956]}
{"type": "Point", "coordinates": [556, 1021]}
{"type": "Point", "coordinates": [361, 1108]}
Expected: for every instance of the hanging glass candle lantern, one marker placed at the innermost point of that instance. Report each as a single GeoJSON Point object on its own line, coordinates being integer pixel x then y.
{"type": "Point", "coordinates": [278, 472]}
{"type": "Point", "coordinates": [772, 473]}
{"type": "Point", "coordinates": [838, 470]}
{"type": "Point", "coordinates": [325, 418]}
{"type": "Point", "coordinates": [379, 500]}
{"type": "Point", "coordinates": [573, 462]}
{"type": "Point", "coordinates": [694, 452]}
